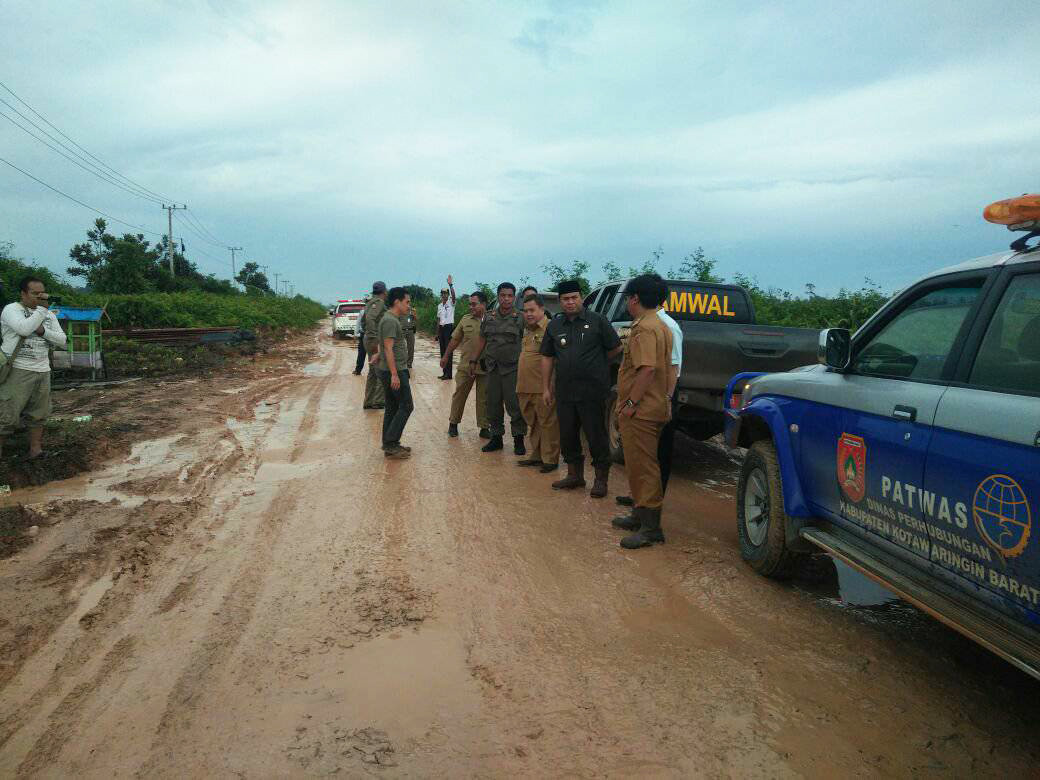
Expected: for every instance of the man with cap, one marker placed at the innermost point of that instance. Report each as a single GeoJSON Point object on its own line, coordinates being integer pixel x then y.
{"type": "Point", "coordinates": [581, 344]}
{"type": "Point", "coordinates": [500, 336]}
{"type": "Point", "coordinates": [643, 407]}
{"type": "Point", "coordinates": [543, 429]}
{"type": "Point", "coordinates": [446, 323]}
{"type": "Point", "coordinates": [409, 323]}
{"type": "Point", "coordinates": [374, 311]}
{"type": "Point", "coordinates": [465, 338]}
{"type": "Point", "coordinates": [666, 443]}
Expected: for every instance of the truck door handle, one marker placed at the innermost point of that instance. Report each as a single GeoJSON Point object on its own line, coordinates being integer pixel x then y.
{"type": "Point", "coordinates": [907, 413]}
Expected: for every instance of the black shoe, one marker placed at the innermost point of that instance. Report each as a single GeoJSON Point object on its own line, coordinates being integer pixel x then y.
{"type": "Point", "coordinates": [548, 467]}
{"type": "Point", "coordinates": [356, 373]}
{"type": "Point", "coordinates": [485, 433]}
{"type": "Point", "coordinates": [444, 377]}
{"type": "Point", "coordinates": [624, 500]}
{"type": "Point", "coordinates": [494, 444]}
{"type": "Point", "coordinates": [453, 429]}
{"type": "Point", "coordinates": [518, 446]}
{"type": "Point", "coordinates": [529, 462]}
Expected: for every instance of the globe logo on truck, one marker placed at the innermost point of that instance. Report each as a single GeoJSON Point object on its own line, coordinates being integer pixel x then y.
{"type": "Point", "coordinates": [1002, 515]}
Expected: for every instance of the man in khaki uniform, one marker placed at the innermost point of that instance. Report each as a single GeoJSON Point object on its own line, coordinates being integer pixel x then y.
{"type": "Point", "coordinates": [374, 311]}
{"type": "Point", "coordinates": [500, 335]}
{"type": "Point", "coordinates": [643, 406]}
{"type": "Point", "coordinates": [409, 323]}
{"type": "Point", "coordinates": [543, 428]}
{"type": "Point", "coordinates": [465, 337]}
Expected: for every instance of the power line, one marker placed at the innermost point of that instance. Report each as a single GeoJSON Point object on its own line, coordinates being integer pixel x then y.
{"type": "Point", "coordinates": [101, 162]}
{"type": "Point", "coordinates": [76, 200]}
{"type": "Point", "coordinates": [195, 230]}
{"type": "Point", "coordinates": [198, 223]}
{"type": "Point", "coordinates": [91, 170]}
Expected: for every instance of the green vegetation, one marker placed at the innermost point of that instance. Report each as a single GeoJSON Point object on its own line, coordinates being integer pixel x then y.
{"type": "Point", "coordinates": [129, 278]}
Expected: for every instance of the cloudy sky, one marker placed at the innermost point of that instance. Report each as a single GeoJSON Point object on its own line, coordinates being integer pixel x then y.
{"type": "Point", "coordinates": [339, 142]}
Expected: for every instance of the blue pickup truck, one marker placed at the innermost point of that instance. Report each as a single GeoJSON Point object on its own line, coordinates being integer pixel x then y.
{"type": "Point", "coordinates": [912, 453]}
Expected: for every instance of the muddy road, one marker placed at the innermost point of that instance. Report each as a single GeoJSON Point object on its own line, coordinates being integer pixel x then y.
{"type": "Point", "coordinates": [260, 593]}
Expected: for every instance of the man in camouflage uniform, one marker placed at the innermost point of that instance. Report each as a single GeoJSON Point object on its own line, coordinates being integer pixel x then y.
{"type": "Point", "coordinates": [500, 336]}
{"type": "Point", "coordinates": [409, 323]}
{"type": "Point", "coordinates": [466, 337]}
{"type": "Point", "coordinates": [374, 311]}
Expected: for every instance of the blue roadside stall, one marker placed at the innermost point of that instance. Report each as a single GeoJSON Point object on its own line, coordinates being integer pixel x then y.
{"type": "Point", "coordinates": [85, 347]}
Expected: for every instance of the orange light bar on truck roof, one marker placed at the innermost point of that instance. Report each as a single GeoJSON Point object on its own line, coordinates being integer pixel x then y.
{"type": "Point", "coordinates": [1023, 210]}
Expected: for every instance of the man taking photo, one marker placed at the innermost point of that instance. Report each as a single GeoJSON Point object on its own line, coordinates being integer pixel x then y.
{"type": "Point", "coordinates": [27, 328]}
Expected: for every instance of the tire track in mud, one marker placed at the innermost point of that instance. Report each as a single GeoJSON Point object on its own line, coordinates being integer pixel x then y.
{"type": "Point", "coordinates": [238, 606]}
{"type": "Point", "coordinates": [68, 714]}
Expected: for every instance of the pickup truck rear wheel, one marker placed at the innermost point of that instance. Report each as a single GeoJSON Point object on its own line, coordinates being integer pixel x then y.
{"type": "Point", "coordinates": [761, 520]}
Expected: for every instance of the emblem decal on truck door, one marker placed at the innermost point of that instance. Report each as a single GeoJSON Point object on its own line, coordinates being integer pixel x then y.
{"type": "Point", "coordinates": [1001, 512]}
{"type": "Point", "coordinates": [852, 466]}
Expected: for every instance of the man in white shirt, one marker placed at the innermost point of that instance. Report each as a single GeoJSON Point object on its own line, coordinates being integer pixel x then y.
{"type": "Point", "coordinates": [25, 396]}
{"type": "Point", "coordinates": [667, 439]}
{"type": "Point", "coordinates": [446, 323]}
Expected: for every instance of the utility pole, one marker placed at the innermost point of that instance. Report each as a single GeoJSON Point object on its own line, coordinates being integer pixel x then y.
{"type": "Point", "coordinates": [276, 283]}
{"type": "Point", "coordinates": [234, 249]}
{"type": "Point", "coordinates": [169, 236]}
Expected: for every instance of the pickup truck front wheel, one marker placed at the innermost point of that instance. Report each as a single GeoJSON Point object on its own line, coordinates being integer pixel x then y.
{"type": "Point", "coordinates": [761, 520]}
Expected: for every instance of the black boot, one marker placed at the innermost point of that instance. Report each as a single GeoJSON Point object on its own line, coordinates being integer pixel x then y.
{"type": "Point", "coordinates": [599, 486]}
{"type": "Point", "coordinates": [575, 477]}
{"type": "Point", "coordinates": [484, 433]}
{"type": "Point", "coordinates": [649, 530]}
{"type": "Point", "coordinates": [518, 446]}
{"type": "Point", "coordinates": [453, 429]}
{"type": "Point", "coordinates": [548, 467]}
{"type": "Point", "coordinates": [625, 500]}
{"type": "Point", "coordinates": [626, 522]}
{"type": "Point", "coordinates": [529, 462]}
{"type": "Point", "coordinates": [494, 444]}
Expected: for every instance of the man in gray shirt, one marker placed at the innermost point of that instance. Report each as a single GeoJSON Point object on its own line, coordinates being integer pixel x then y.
{"type": "Point", "coordinates": [393, 373]}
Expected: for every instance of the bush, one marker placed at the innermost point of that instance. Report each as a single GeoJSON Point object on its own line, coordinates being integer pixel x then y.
{"type": "Point", "coordinates": [203, 310]}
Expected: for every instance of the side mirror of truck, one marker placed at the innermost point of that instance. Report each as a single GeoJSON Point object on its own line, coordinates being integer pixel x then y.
{"type": "Point", "coordinates": [835, 348]}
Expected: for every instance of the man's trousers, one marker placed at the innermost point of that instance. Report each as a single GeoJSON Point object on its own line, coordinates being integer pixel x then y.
{"type": "Point", "coordinates": [443, 337]}
{"type": "Point", "coordinates": [590, 417]}
{"type": "Point", "coordinates": [501, 397]}
{"type": "Point", "coordinates": [374, 395]}
{"type": "Point", "coordinates": [398, 407]}
{"type": "Point", "coordinates": [543, 429]}
{"type": "Point", "coordinates": [640, 439]}
{"type": "Point", "coordinates": [464, 381]}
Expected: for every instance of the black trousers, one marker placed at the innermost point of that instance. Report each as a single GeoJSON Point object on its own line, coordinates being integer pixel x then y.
{"type": "Point", "coordinates": [398, 407]}
{"type": "Point", "coordinates": [587, 416]}
{"type": "Point", "coordinates": [361, 355]}
{"type": "Point", "coordinates": [664, 450]}
{"type": "Point", "coordinates": [444, 336]}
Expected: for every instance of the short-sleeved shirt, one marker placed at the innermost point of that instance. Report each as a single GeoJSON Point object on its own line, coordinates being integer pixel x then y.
{"type": "Point", "coordinates": [503, 333]}
{"type": "Point", "coordinates": [649, 343]}
{"type": "Point", "coordinates": [468, 334]}
{"type": "Point", "coordinates": [529, 372]}
{"type": "Point", "coordinates": [374, 311]}
{"type": "Point", "coordinates": [580, 346]}
{"type": "Point", "coordinates": [676, 332]}
{"type": "Point", "coordinates": [390, 328]}
{"type": "Point", "coordinates": [446, 313]}
{"type": "Point", "coordinates": [409, 322]}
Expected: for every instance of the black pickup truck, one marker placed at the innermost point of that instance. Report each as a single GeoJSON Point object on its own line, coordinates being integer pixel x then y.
{"type": "Point", "coordinates": [720, 340]}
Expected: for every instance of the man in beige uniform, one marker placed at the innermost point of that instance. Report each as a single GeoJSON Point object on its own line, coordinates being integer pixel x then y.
{"type": "Point", "coordinates": [543, 428]}
{"type": "Point", "coordinates": [466, 337]}
{"type": "Point", "coordinates": [643, 406]}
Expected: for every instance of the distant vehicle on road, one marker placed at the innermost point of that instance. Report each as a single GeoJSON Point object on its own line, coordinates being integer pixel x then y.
{"type": "Point", "coordinates": [345, 317]}
{"type": "Point", "coordinates": [720, 339]}
{"type": "Point", "coordinates": [913, 452]}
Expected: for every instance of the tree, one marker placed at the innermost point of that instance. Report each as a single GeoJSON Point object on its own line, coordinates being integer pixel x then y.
{"type": "Point", "coordinates": [578, 271]}
{"type": "Point", "coordinates": [92, 255]}
{"type": "Point", "coordinates": [253, 279]}
{"type": "Point", "coordinates": [699, 267]}
{"type": "Point", "coordinates": [611, 271]}
{"type": "Point", "coordinates": [419, 293]}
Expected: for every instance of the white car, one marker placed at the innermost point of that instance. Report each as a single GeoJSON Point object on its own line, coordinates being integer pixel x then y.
{"type": "Point", "coordinates": [345, 317]}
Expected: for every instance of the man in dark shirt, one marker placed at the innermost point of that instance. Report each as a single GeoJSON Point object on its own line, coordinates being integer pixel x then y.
{"type": "Point", "coordinates": [581, 344]}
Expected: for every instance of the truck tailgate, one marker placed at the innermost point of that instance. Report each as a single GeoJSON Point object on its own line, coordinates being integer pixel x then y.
{"type": "Point", "coordinates": [713, 352]}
